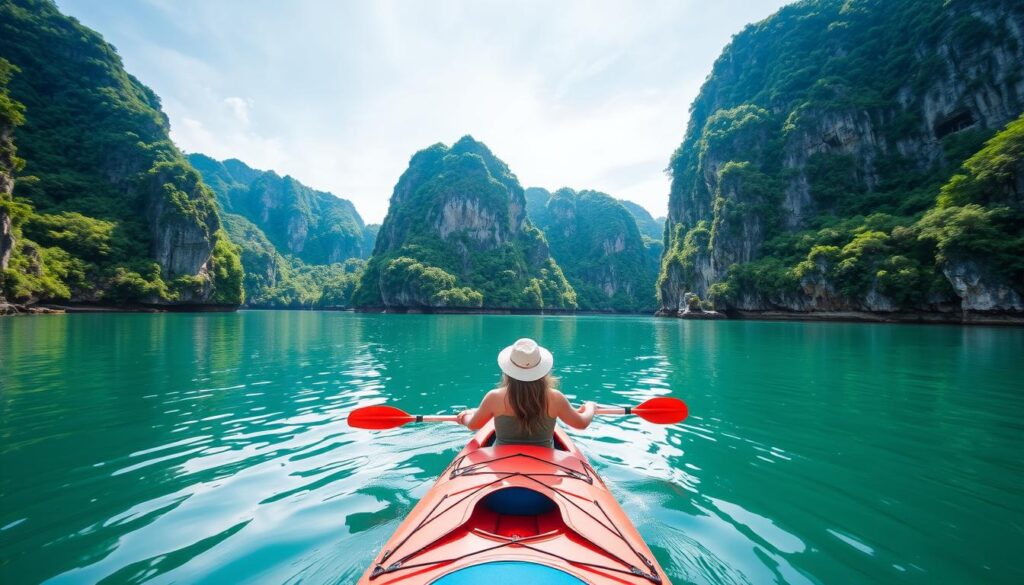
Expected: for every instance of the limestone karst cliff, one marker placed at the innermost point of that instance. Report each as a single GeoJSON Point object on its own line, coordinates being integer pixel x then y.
{"type": "Point", "coordinates": [300, 247]}
{"type": "Point", "coordinates": [11, 115]}
{"type": "Point", "coordinates": [650, 226]}
{"type": "Point", "coordinates": [456, 235]}
{"type": "Point", "coordinates": [597, 242]}
{"type": "Point", "coordinates": [817, 149]}
{"type": "Point", "coordinates": [315, 226]}
{"type": "Point", "coordinates": [106, 209]}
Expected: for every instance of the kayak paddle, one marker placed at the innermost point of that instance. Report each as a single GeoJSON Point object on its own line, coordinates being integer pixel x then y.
{"type": "Point", "coordinates": [388, 417]}
{"type": "Point", "coordinates": [663, 410]}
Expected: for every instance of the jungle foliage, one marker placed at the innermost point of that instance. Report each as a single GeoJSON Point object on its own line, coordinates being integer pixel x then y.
{"type": "Point", "coordinates": [100, 178]}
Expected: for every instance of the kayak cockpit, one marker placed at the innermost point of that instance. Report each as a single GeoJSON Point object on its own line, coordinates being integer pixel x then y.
{"type": "Point", "coordinates": [516, 513]}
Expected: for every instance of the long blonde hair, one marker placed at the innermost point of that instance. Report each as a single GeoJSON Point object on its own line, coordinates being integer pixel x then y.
{"type": "Point", "coordinates": [529, 400]}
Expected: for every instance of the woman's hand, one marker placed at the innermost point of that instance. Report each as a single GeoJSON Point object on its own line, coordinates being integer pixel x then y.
{"type": "Point", "coordinates": [577, 418]}
{"type": "Point", "coordinates": [587, 411]}
{"type": "Point", "coordinates": [463, 417]}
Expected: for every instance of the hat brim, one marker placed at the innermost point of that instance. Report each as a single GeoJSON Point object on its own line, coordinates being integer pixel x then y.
{"type": "Point", "coordinates": [525, 374]}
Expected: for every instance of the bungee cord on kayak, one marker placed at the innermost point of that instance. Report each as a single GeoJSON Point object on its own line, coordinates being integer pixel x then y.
{"type": "Point", "coordinates": [520, 498]}
{"type": "Point", "coordinates": [482, 468]}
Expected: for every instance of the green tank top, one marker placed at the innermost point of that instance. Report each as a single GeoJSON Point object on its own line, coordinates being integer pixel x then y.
{"type": "Point", "coordinates": [508, 432]}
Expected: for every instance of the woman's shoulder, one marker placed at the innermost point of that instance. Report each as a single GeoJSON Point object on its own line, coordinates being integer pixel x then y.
{"type": "Point", "coordinates": [556, 396]}
{"type": "Point", "coordinates": [495, 396]}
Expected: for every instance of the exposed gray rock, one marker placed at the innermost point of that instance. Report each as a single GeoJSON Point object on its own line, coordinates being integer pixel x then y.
{"type": "Point", "coordinates": [877, 302]}
{"type": "Point", "coordinates": [978, 292]}
{"type": "Point", "coordinates": [6, 240]}
{"type": "Point", "coordinates": [6, 228]}
{"type": "Point", "coordinates": [465, 216]}
{"type": "Point", "coordinates": [457, 228]}
{"type": "Point", "coordinates": [692, 309]}
{"type": "Point", "coordinates": [7, 164]}
{"type": "Point", "coordinates": [180, 244]}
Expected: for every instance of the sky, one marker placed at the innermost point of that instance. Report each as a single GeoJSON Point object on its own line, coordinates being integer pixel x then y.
{"type": "Point", "coordinates": [586, 94]}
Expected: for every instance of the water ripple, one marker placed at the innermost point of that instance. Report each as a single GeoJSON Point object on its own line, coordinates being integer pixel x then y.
{"type": "Point", "coordinates": [183, 448]}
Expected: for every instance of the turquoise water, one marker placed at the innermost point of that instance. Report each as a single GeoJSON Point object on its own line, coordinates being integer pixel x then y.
{"type": "Point", "coordinates": [213, 448]}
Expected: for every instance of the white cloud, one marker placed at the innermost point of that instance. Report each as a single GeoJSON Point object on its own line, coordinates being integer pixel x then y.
{"type": "Point", "coordinates": [587, 94]}
{"type": "Point", "coordinates": [240, 108]}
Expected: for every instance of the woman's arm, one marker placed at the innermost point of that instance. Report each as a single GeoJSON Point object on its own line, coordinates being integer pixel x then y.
{"type": "Point", "coordinates": [476, 419]}
{"type": "Point", "coordinates": [577, 419]}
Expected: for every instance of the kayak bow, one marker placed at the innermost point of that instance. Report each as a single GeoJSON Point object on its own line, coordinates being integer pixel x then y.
{"type": "Point", "coordinates": [516, 514]}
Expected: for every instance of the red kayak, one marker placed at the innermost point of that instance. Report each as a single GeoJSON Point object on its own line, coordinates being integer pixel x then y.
{"type": "Point", "coordinates": [516, 514]}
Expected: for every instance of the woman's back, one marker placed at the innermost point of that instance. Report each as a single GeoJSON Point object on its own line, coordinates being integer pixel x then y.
{"type": "Point", "coordinates": [509, 431]}
{"type": "Point", "coordinates": [526, 405]}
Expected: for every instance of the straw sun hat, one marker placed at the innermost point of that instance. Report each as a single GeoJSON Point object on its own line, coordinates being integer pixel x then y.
{"type": "Point", "coordinates": [525, 361]}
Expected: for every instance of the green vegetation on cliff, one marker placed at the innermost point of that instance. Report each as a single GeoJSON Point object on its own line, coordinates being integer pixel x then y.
{"type": "Point", "coordinates": [106, 208]}
{"type": "Point", "coordinates": [315, 226]}
{"type": "Point", "coordinates": [978, 218]}
{"type": "Point", "coordinates": [12, 114]}
{"type": "Point", "coordinates": [598, 244]}
{"type": "Point", "coordinates": [810, 174]}
{"type": "Point", "coordinates": [273, 280]}
{"type": "Point", "coordinates": [980, 212]}
{"type": "Point", "coordinates": [456, 235]}
{"type": "Point", "coordinates": [650, 226]}
{"type": "Point", "coordinates": [300, 247]}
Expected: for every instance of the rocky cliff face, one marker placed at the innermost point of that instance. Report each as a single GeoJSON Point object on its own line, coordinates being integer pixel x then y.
{"type": "Point", "coordinates": [456, 235]}
{"type": "Point", "coordinates": [827, 123]}
{"type": "Point", "coordinates": [650, 226]}
{"type": "Point", "coordinates": [6, 240]}
{"type": "Point", "coordinates": [11, 115]}
{"type": "Point", "coordinates": [6, 188]}
{"type": "Point", "coordinates": [115, 213]}
{"type": "Point", "coordinates": [260, 259]}
{"type": "Point", "coordinates": [472, 194]}
{"type": "Point", "coordinates": [181, 245]}
{"type": "Point", "coordinates": [314, 226]}
{"type": "Point", "coordinates": [299, 247]}
{"type": "Point", "coordinates": [598, 244]}
{"type": "Point", "coordinates": [978, 291]}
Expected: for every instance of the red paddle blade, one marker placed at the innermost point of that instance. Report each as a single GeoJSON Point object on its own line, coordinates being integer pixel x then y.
{"type": "Point", "coordinates": [663, 410]}
{"type": "Point", "coordinates": [378, 418]}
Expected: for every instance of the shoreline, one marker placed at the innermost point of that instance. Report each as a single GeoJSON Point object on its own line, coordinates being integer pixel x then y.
{"type": "Point", "coordinates": [489, 311]}
{"type": "Point", "coordinates": [18, 309]}
{"type": "Point", "coordinates": [268, 308]}
{"type": "Point", "coordinates": [912, 318]}
{"type": "Point", "coordinates": [985, 319]}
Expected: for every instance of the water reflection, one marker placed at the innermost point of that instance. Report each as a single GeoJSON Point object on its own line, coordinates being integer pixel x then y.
{"type": "Point", "coordinates": [178, 448]}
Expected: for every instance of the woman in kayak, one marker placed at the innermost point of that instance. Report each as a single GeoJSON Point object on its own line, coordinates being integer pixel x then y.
{"type": "Point", "coordinates": [526, 404]}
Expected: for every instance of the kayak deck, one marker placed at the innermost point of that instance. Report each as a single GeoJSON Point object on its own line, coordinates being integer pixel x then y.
{"type": "Point", "coordinates": [531, 513]}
